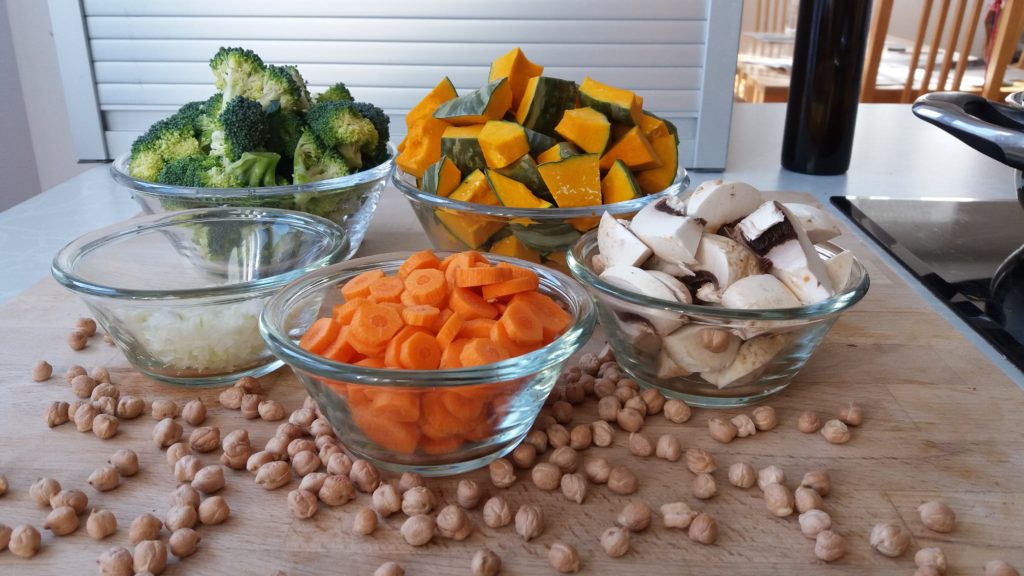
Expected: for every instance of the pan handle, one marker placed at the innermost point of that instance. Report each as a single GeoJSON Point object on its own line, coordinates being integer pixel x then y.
{"type": "Point", "coordinates": [994, 129]}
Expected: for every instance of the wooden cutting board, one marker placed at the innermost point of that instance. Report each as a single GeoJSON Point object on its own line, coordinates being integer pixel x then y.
{"type": "Point", "coordinates": [941, 422]}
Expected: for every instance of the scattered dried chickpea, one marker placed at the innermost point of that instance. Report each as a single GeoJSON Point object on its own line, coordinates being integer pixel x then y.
{"type": "Point", "coordinates": [581, 437]}
{"type": "Point", "coordinates": [163, 408]}
{"type": "Point", "coordinates": [808, 422]}
{"type": "Point", "coordinates": [100, 524]}
{"type": "Point", "coordinates": [274, 475]}
{"type": "Point", "coordinates": [176, 452]}
{"type": "Point", "coordinates": [305, 462]}
{"type": "Point", "coordinates": [561, 411]}
{"type": "Point", "coordinates": [184, 542]}
{"type": "Point", "coordinates": [703, 529]}
{"type": "Point", "coordinates": [249, 385]}
{"type": "Point", "coordinates": [622, 481]}
{"type": "Point", "coordinates": [524, 456]}
{"type": "Point", "coordinates": [538, 439]}
{"type": "Point", "coordinates": [181, 516]}
{"type": "Point", "coordinates": [744, 425]}
{"type": "Point", "coordinates": [341, 463]}
{"type": "Point", "coordinates": [835, 432]}
{"type": "Point", "coordinates": [819, 481]}
{"type": "Point", "coordinates": [194, 412]}
{"type": "Point", "coordinates": [668, 448]}
{"type": "Point", "coordinates": [565, 458]}
{"type": "Point", "coordinates": [130, 407]}
{"type": "Point", "coordinates": [250, 407]}
{"type": "Point", "coordinates": [931, 558]}
{"type": "Point", "coordinates": [57, 414]}
{"type": "Point", "coordinates": [145, 527]}
{"type": "Point", "coordinates": [608, 408]}
{"type": "Point", "coordinates": [87, 326]}
{"type": "Point", "coordinates": [677, 515]}
{"type": "Point", "coordinates": [72, 371]}
{"type": "Point", "coordinates": [814, 521]}
{"type": "Point", "coordinates": [829, 546]}
{"type": "Point", "coordinates": [574, 487]}
{"type": "Point", "coordinates": [699, 460]}
{"type": "Point", "coordinates": [937, 516]}
{"type": "Point", "coordinates": [722, 430]}
{"type": "Point", "coordinates": [742, 475]}
{"type": "Point", "coordinates": [597, 470]}
{"type": "Point", "coordinates": [484, 563]}
{"type": "Point", "coordinates": [386, 499]}
{"type": "Point", "coordinates": [635, 516]}
{"type": "Point", "coordinates": [209, 479]}
{"type": "Point", "coordinates": [77, 340]}
{"type": "Point", "coordinates": [603, 387]}
{"type": "Point", "coordinates": [150, 556]}
{"type": "Point", "coordinates": [106, 405]}
{"type": "Point", "coordinates": [61, 521]}
{"type": "Point", "coordinates": [558, 435]}
{"type": "Point", "coordinates": [640, 445]}
{"type": "Point", "coordinates": [166, 432]}
{"type": "Point", "coordinates": [105, 478]}
{"type": "Point", "coordinates": [453, 522]}
{"type": "Point", "coordinates": [204, 439]}
{"type": "Point", "coordinates": [271, 410]}
{"type": "Point", "coordinates": [497, 512]}
{"type": "Point", "coordinates": [890, 540]}
{"type": "Point", "coordinates": [337, 490]}
{"type": "Point", "coordinates": [41, 371]}
{"type": "Point", "coordinates": [25, 541]}
{"type": "Point", "coordinates": [104, 426]}
{"type": "Point", "coordinates": [564, 558]}
{"type": "Point", "coordinates": [654, 400]}
{"type": "Point", "coordinates": [629, 420]}
{"type": "Point", "coordinates": [529, 521]}
{"type": "Point", "coordinates": [365, 521]}
{"type": "Point", "coordinates": [676, 411]}
{"type": "Point", "coordinates": [502, 474]}
{"type": "Point", "coordinates": [770, 475]}
{"type": "Point", "coordinates": [43, 490]}
{"type": "Point", "coordinates": [125, 461]}
{"type": "Point", "coordinates": [418, 500]}
{"type": "Point", "coordinates": [851, 414]}
{"type": "Point", "coordinates": [1000, 568]}
{"type": "Point", "coordinates": [231, 398]}
{"type": "Point", "coordinates": [364, 475]}
{"type": "Point", "coordinates": [82, 386]}
{"type": "Point", "coordinates": [807, 499]}
{"type": "Point", "coordinates": [303, 417]}
{"type": "Point", "coordinates": [314, 481]}
{"type": "Point", "coordinates": [601, 433]}
{"type": "Point", "coordinates": [615, 541]}
{"type": "Point", "coordinates": [74, 498]}
{"type": "Point", "coordinates": [778, 500]}
{"type": "Point", "coordinates": [764, 418]}
{"type": "Point", "coordinates": [116, 561]}
{"type": "Point", "coordinates": [636, 403]}
{"type": "Point", "coordinates": [105, 390]}
{"type": "Point", "coordinates": [214, 510]}
{"type": "Point", "coordinates": [418, 530]}
{"type": "Point", "coordinates": [468, 493]}
{"type": "Point", "coordinates": [704, 486]}
{"type": "Point", "coordinates": [185, 495]}
{"type": "Point", "coordinates": [389, 569]}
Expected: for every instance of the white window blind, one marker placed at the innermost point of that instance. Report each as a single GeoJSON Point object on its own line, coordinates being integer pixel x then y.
{"type": "Point", "coordinates": [149, 58]}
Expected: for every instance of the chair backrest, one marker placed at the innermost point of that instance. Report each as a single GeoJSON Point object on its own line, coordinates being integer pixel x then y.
{"type": "Point", "coordinates": [770, 16]}
{"type": "Point", "coordinates": [948, 27]}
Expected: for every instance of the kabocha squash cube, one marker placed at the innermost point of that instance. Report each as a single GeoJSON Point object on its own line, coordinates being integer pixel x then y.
{"type": "Point", "coordinates": [422, 146]}
{"type": "Point", "coordinates": [559, 151]}
{"type": "Point", "coordinates": [502, 143]}
{"type": "Point", "coordinates": [462, 145]}
{"type": "Point", "coordinates": [525, 170]}
{"type": "Point", "coordinates": [652, 126]}
{"type": "Point", "coordinates": [512, 246]}
{"type": "Point", "coordinates": [544, 102]}
{"type": "Point", "coordinates": [470, 229]}
{"type": "Point", "coordinates": [656, 179]}
{"type": "Point", "coordinates": [515, 66]}
{"type": "Point", "coordinates": [443, 92]}
{"type": "Point", "coordinates": [586, 128]}
{"type": "Point", "coordinates": [619, 185]}
{"type": "Point", "coordinates": [514, 194]}
{"type": "Point", "coordinates": [538, 142]}
{"type": "Point", "coordinates": [475, 189]}
{"type": "Point", "coordinates": [575, 181]}
{"type": "Point", "coordinates": [442, 177]}
{"type": "Point", "coordinates": [617, 104]}
{"type": "Point", "coordinates": [488, 103]}
{"type": "Point", "coordinates": [633, 149]}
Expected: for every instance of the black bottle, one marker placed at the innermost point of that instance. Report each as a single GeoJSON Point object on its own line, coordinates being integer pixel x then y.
{"type": "Point", "coordinates": [828, 59]}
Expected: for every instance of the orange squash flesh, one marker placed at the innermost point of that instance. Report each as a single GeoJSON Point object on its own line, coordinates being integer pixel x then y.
{"type": "Point", "coordinates": [515, 66]}
{"type": "Point", "coordinates": [617, 104]}
{"type": "Point", "coordinates": [443, 92]}
{"type": "Point", "coordinates": [657, 179]}
{"type": "Point", "coordinates": [422, 146]}
{"type": "Point", "coordinates": [634, 150]}
{"type": "Point", "coordinates": [575, 181]}
{"type": "Point", "coordinates": [586, 128]}
{"type": "Point", "coordinates": [502, 143]}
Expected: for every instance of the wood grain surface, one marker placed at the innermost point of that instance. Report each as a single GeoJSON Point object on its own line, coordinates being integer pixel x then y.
{"type": "Point", "coordinates": [940, 422]}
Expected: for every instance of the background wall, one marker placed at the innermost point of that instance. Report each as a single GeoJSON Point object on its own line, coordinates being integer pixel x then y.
{"type": "Point", "coordinates": [28, 29]}
{"type": "Point", "coordinates": [17, 161]}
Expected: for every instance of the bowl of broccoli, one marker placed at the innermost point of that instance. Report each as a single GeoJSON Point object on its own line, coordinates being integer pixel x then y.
{"type": "Point", "coordinates": [263, 141]}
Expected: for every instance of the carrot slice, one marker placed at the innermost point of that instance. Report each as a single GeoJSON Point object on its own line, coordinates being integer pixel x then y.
{"type": "Point", "coordinates": [521, 324]}
{"type": "Point", "coordinates": [516, 271]}
{"type": "Point", "coordinates": [426, 286]}
{"type": "Point", "coordinates": [449, 331]}
{"type": "Point", "coordinates": [462, 260]}
{"type": "Point", "coordinates": [375, 323]}
{"type": "Point", "coordinates": [386, 289]}
{"type": "Point", "coordinates": [345, 311]}
{"type": "Point", "coordinates": [554, 319]}
{"type": "Point", "coordinates": [369, 350]}
{"type": "Point", "coordinates": [509, 287]}
{"type": "Point", "coordinates": [340, 350]}
{"type": "Point", "coordinates": [439, 446]}
{"type": "Point", "coordinates": [420, 352]}
{"type": "Point", "coordinates": [406, 299]}
{"type": "Point", "coordinates": [470, 305]}
{"type": "Point", "coordinates": [359, 287]}
{"type": "Point", "coordinates": [480, 276]}
{"type": "Point", "coordinates": [464, 407]}
{"type": "Point", "coordinates": [500, 337]}
{"type": "Point", "coordinates": [401, 437]}
{"type": "Point", "coordinates": [483, 430]}
{"type": "Point", "coordinates": [370, 362]}
{"type": "Point", "coordinates": [392, 357]}
{"type": "Point", "coordinates": [320, 335]}
{"type": "Point", "coordinates": [421, 259]}
{"type": "Point", "coordinates": [450, 356]}
{"type": "Point", "coordinates": [421, 315]}
{"type": "Point", "coordinates": [480, 351]}
{"type": "Point", "coordinates": [436, 421]}
{"type": "Point", "coordinates": [395, 404]}
{"type": "Point", "coordinates": [357, 397]}
{"type": "Point", "coordinates": [476, 328]}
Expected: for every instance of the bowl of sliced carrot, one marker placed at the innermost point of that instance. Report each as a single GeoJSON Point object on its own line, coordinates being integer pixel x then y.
{"type": "Point", "coordinates": [436, 363]}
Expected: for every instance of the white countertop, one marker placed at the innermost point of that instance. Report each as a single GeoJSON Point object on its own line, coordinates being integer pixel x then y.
{"type": "Point", "coordinates": [895, 155]}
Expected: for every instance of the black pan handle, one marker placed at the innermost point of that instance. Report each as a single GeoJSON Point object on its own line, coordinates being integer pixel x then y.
{"type": "Point", "coordinates": [994, 129]}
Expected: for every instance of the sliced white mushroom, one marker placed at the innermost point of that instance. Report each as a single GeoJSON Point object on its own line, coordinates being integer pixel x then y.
{"type": "Point", "coordinates": [597, 263]}
{"type": "Point", "coordinates": [751, 360]}
{"type": "Point", "coordinates": [640, 333]}
{"type": "Point", "coordinates": [667, 231]}
{"type": "Point", "coordinates": [840, 268]}
{"type": "Point", "coordinates": [675, 269]}
{"type": "Point", "coordinates": [760, 291]}
{"type": "Point", "coordinates": [679, 290]}
{"type": "Point", "coordinates": [698, 348]}
{"type": "Point", "coordinates": [773, 233]}
{"type": "Point", "coordinates": [720, 202]}
{"type": "Point", "coordinates": [640, 281]}
{"type": "Point", "coordinates": [619, 246]}
{"type": "Point", "coordinates": [725, 259]}
{"type": "Point", "coordinates": [819, 225]}
{"type": "Point", "coordinates": [667, 368]}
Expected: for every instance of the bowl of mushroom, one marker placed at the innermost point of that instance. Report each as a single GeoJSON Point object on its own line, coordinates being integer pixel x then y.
{"type": "Point", "coordinates": [720, 298]}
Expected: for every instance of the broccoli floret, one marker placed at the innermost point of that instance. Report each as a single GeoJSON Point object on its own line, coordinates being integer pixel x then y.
{"type": "Point", "coordinates": [206, 121]}
{"type": "Point", "coordinates": [241, 127]}
{"type": "Point", "coordinates": [166, 140]}
{"type": "Point", "coordinates": [198, 172]}
{"type": "Point", "coordinates": [303, 90]}
{"type": "Point", "coordinates": [340, 126]}
{"type": "Point", "coordinates": [336, 93]}
{"type": "Point", "coordinates": [314, 161]}
{"type": "Point", "coordinates": [381, 122]}
{"type": "Point", "coordinates": [279, 86]}
{"type": "Point", "coordinates": [254, 169]}
{"type": "Point", "coordinates": [238, 72]}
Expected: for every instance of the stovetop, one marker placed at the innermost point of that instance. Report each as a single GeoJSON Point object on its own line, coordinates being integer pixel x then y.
{"type": "Point", "coordinates": [953, 247]}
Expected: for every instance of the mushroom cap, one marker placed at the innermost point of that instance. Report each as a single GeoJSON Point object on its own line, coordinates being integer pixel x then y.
{"type": "Point", "coordinates": [686, 347]}
{"type": "Point", "coordinates": [617, 245]}
{"type": "Point", "coordinates": [720, 202]}
{"type": "Point", "coordinates": [819, 225]}
{"type": "Point", "coordinates": [667, 232]}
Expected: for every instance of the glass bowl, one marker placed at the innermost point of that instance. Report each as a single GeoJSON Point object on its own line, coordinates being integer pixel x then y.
{"type": "Point", "coordinates": [788, 336]}
{"type": "Point", "coordinates": [348, 201]}
{"type": "Point", "coordinates": [546, 233]}
{"type": "Point", "coordinates": [180, 294]}
{"type": "Point", "coordinates": [504, 397]}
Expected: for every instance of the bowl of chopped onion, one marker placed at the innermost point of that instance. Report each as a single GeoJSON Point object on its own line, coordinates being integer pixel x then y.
{"type": "Point", "coordinates": [180, 294]}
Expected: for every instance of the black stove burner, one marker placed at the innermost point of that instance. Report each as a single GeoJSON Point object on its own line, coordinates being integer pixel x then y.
{"type": "Point", "coordinates": [955, 248]}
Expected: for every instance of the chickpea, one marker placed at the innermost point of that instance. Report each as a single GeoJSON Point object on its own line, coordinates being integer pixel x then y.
{"type": "Point", "coordinates": [62, 520]}
{"type": "Point", "coordinates": [74, 498]}
{"type": "Point", "coordinates": [150, 556]}
{"type": "Point", "coordinates": [629, 420]}
{"type": "Point", "coordinates": [615, 541]}
{"type": "Point", "coordinates": [57, 414]}
{"type": "Point", "coordinates": [640, 445]}
{"type": "Point", "coordinates": [386, 499]}
{"type": "Point", "coordinates": [778, 499]}
{"type": "Point", "coordinates": [185, 495]}
{"type": "Point", "coordinates": [164, 408]}
{"type": "Point", "coordinates": [538, 439]}
{"type": "Point", "coordinates": [418, 500]}
{"type": "Point", "coordinates": [77, 340]}
{"type": "Point", "coordinates": [209, 479]}
{"type": "Point", "coordinates": [313, 481]}
{"type": "Point", "coordinates": [364, 476]}
{"type": "Point", "coordinates": [214, 510]}
{"type": "Point", "coordinates": [676, 411]}
{"type": "Point", "coordinates": [502, 474]}
{"type": "Point", "coordinates": [125, 461]}
{"type": "Point", "coordinates": [497, 512]}
{"type": "Point", "coordinates": [24, 541]}
{"type": "Point", "coordinates": [389, 569]}
{"type": "Point", "coordinates": [636, 403]}
{"type": "Point", "coordinates": [574, 487]}
{"type": "Point", "coordinates": [181, 516]}
{"type": "Point", "coordinates": [770, 475]}
{"type": "Point", "coordinates": [365, 521]}
{"type": "Point", "coordinates": [703, 529]}
{"type": "Point", "coordinates": [722, 430]}
{"type": "Point", "coordinates": [597, 470]}
{"type": "Point", "coordinates": [145, 527]}
{"type": "Point", "coordinates": [176, 452]}
{"type": "Point", "coordinates": [668, 448]}
{"type": "Point", "coordinates": [851, 414]}
{"type": "Point", "coordinates": [274, 475]}
{"type": "Point", "coordinates": [231, 398]}
{"type": "Point", "coordinates": [418, 530]}
{"type": "Point", "coordinates": [341, 463]}
{"type": "Point", "coordinates": [654, 400]}
{"type": "Point", "coordinates": [305, 462]}
{"type": "Point", "coordinates": [105, 478]}
{"type": "Point", "coordinates": [564, 558]}
{"type": "Point", "coordinates": [250, 407]}
{"type": "Point", "coordinates": [184, 542]}
{"type": "Point", "coordinates": [87, 326]}
{"type": "Point", "coordinates": [890, 540]}
{"type": "Point", "coordinates": [819, 481]}
{"type": "Point", "coordinates": [204, 439]}
{"type": "Point", "coordinates": [130, 407]}
{"type": "Point", "coordinates": [602, 433]}
{"type": "Point", "coordinates": [699, 460]}
{"type": "Point", "coordinates": [677, 515]}
{"type": "Point", "coordinates": [524, 456]}
{"type": "Point", "coordinates": [41, 371]}
{"type": "Point", "coordinates": [565, 458]}
{"type": "Point", "coordinates": [835, 432]}
{"type": "Point", "coordinates": [764, 418]}
{"type": "Point", "coordinates": [622, 481]}
{"type": "Point", "coordinates": [814, 521]}
{"type": "Point", "coordinates": [84, 416]}
{"type": "Point", "coordinates": [116, 562]}
{"type": "Point", "coordinates": [931, 558]}
{"type": "Point", "coordinates": [485, 563]}
{"type": "Point", "coordinates": [608, 408]}
{"type": "Point", "coordinates": [807, 499]}
{"type": "Point", "coordinates": [468, 493]}
{"type": "Point", "coordinates": [937, 516]}
{"type": "Point", "coordinates": [408, 480]}
{"type": "Point", "coordinates": [808, 422]}
{"type": "Point", "coordinates": [744, 425]}
{"type": "Point", "coordinates": [580, 437]}
{"type": "Point", "coordinates": [194, 412]}
{"type": "Point", "coordinates": [558, 435]}
{"type": "Point", "coordinates": [704, 486]}
{"type": "Point", "coordinates": [635, 516]}
{"type": "Point", "coordinates": [561, 411]}
{"type": "Point", "coordinates": [166, 432]}
{"type": "Point", "coordinates": [529, 521]}
{"type": "Point", "coordinates": [1000, 568]}
{"type": "Point", "coordinates": [43, 490]}
{"type": "Point", "coordinates": [829, 546]}
{"type": "Point", "coordinates": [101, 523]}
{"type": "Point", "coordinates": [453, 522]}
{"type": "Point", "coordinates": [742, 475]}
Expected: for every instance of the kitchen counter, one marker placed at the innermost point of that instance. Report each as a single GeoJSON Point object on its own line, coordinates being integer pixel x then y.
{"type": "Point", "coordinates": [895, 155]}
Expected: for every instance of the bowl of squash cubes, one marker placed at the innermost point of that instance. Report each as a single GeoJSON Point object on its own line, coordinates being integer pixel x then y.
{"type": "Point", "coordinates": [526, 164]}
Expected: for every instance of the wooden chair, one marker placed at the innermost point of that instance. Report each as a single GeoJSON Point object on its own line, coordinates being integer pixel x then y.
{"type": "Point", "coordinates": [958, 38]}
